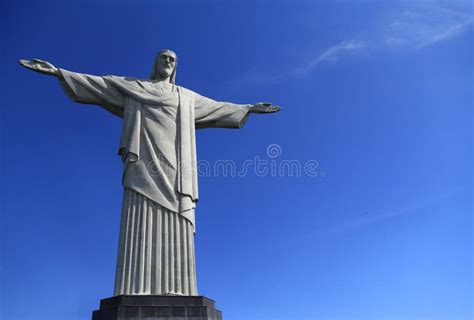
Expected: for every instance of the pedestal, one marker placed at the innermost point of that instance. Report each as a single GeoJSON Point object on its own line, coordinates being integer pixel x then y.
{"type": "Point", "coordinates": [146, 307]}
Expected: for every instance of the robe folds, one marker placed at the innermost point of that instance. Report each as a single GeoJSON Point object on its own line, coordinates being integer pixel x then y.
{"type": "Point", "coordinates": [159, 158]}
{"type": "Point", "coordinates": [158, 149]}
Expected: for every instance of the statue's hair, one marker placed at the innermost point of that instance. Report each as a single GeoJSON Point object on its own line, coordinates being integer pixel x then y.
{"type": "Point", "coordinates": [154, 74]}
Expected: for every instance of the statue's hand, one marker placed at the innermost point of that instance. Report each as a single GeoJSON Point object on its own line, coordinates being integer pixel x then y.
{"type": "Point", "coordinates": [40, 66]}
{"type": "Point", "coordinates": [264, 107]}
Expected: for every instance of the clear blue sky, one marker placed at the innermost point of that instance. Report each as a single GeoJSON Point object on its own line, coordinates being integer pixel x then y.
{"type": "Point", "coordinates": [379, 93]}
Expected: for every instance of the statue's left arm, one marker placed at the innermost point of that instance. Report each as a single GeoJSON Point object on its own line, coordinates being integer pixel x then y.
{"type": "Point", "coordinates": [90, 89]}
{"type": "Point", "coordinates": [209, 113]}
{"type": "Point", "coordinates": [84, 88]}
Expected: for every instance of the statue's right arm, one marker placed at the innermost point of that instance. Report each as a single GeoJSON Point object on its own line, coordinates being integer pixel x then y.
{"type": "Point", "coordinates": [40, 66]}
{"type": "Point", "coordinates": [83, 88]}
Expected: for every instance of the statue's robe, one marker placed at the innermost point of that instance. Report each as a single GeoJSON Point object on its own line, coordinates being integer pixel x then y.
{"type": "Point", "coordinates": [158, 148]}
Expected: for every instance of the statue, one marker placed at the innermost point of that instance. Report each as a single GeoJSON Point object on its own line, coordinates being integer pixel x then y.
{"type": "Point", "coordinates": [157, 147]}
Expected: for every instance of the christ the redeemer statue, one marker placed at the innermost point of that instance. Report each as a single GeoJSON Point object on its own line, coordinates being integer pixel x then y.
{"type": "Point", "coordinates": [158, 150]}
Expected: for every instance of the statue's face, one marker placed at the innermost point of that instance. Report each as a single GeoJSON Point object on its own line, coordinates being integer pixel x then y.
{"type": "Point", "coordinates": [166, 64]}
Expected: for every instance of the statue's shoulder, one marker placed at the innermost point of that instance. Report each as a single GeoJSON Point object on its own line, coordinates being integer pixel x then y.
{"type": "Point", "coordinates": [128, 82]}
{"type": "Point", "coordinates": [186, 91]}
{"type": "Point", "coordinates": [128, 79]}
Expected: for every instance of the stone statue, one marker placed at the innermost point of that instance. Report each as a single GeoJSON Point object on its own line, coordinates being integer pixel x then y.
{"type": "Point", "coordinates": [157, 146]}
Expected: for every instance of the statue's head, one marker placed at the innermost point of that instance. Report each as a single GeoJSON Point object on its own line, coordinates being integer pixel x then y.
{"type": "Point", "coordinates": [165, 66]}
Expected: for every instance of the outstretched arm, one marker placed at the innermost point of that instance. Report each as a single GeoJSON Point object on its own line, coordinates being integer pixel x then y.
{"type": "Point", "coordinates": [209, 113]}
{"type": "Point", "coordinates": [40, 66]}
{"type": "Point", "coordinates": [83, 88]}
{"type": "Point", "coordinates": [264, 107]}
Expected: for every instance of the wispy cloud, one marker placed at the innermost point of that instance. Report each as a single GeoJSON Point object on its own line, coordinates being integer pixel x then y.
{"type": "Point", "coordinates": [332, 54]}
{"type": "Point", "coordinates": [368, 219]}
{"type": "Point", "coordinates": [414, 26]}
{"type": "Point", "coordinates": [426, 24]}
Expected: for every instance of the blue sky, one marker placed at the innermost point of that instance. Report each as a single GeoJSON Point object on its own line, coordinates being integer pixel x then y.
{"type": "Point", "coordinates": [377, 93]}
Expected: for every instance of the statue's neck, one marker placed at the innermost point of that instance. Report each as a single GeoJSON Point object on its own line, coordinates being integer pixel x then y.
{"type": "Point", "coordinates": [164, 84]}
{"type": "Point", "coordinates": [165, 80]}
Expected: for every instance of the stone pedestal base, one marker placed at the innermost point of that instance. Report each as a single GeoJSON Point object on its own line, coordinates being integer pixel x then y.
{"type": "Point", "coordinates": [147, 307]}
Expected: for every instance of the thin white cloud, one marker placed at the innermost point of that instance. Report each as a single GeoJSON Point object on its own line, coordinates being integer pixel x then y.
{"type": "Point", "coordinates": [332, 54]}
{"type": "Point", "coordinates": [359, 223]}
{"type": "Point", "coordinates": [428, 23]}
{"type": "Point", "coordinates": [367, 219]}
{"type": "Point", "coordinates": [416, 26]}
